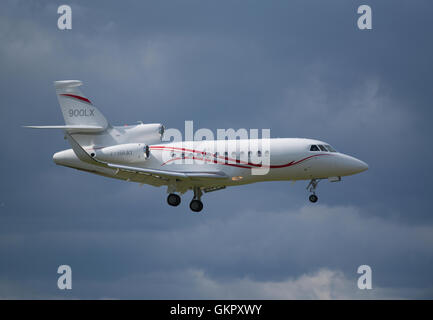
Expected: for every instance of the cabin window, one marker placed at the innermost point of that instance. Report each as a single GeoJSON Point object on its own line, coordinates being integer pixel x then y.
{"type": "Point", "coordinates": [314, 148]}
{"type": "Point", "coordinates": [259, 153]}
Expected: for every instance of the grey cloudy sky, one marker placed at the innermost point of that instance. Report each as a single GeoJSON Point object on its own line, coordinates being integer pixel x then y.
{"type": "Point", "coordinates": [300, 68]}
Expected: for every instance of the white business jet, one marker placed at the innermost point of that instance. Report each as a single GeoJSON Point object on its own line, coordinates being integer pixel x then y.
{"type": "Point", "coordinates": [138, 154]}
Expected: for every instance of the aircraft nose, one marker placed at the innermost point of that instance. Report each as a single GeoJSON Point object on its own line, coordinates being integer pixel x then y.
{"type": "Point", "coordinates": [359, 166]}
{"type": "Point", "coordinates": [348, 165]}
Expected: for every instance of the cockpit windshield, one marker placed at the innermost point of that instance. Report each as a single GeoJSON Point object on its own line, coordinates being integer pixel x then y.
{"type": "Point", "coordinates": [320, 147]}
{"type": "Point", "coordinates": [331, 149]}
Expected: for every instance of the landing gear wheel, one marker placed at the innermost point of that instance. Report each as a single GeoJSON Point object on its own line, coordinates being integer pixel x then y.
{"type": "Point", "coordinates": [196, 205]}
{"type": "Point", "coordinates": [173, 199]}
{"type": "Point", "coordinates": [312, 188]}
{"type": "Point", "coordinates": [313, 198]}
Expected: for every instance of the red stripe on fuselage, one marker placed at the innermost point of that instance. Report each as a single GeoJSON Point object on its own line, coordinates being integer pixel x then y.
{"type": "Point", "coordinates": [76, 97]}
{"type": "Point", "coordinates": [238, 162]}
{"type": "Point", "coordinates": [207, 160]}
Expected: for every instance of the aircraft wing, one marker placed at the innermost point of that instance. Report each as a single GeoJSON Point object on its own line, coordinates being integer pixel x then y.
{"type": "Point", "coordinates": [167, 175]}
{"type": "Point", "coordinates": [160, 174]}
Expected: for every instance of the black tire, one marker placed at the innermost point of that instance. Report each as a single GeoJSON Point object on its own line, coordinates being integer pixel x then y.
{"type": "Point", "coordinates": [173, 199]}
{"type": "Point", "coordinates": [313, 198]}
{"type": "Point", "coordinates": [196, 205]}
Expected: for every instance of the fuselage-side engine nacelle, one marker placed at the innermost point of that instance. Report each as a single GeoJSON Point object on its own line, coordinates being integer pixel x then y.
{"type": "Point", "coordinates": [122, 153]}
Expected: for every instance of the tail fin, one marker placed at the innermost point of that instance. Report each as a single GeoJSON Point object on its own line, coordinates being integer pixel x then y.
{"type": "Point", "coordinates": [77, 110]}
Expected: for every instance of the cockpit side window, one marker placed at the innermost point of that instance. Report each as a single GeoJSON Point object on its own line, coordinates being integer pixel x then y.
{"type": "Point", "coordinates": [322, 148]}
{"type": "Point", "coordinates": [331, 149]}
{"type": "Point", "coordinates": [314, 148]}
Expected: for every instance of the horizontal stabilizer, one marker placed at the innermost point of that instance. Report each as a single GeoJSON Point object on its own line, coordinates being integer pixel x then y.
{"type": "Point", "coordinates": [72, 128]}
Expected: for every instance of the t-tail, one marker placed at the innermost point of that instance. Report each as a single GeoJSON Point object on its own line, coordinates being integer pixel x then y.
{"type": "Point", "coordinates": [80, 115]}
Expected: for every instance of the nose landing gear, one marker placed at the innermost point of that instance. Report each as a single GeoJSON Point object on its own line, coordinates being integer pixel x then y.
{"type": "Point", "coordinates": [313, 198]}
{"type": "Point", "coordinates": [312, 188]}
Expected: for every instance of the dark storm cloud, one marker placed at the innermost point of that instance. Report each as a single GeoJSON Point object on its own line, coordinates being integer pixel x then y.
{"type": "Point", "coordinates": [301, 68]}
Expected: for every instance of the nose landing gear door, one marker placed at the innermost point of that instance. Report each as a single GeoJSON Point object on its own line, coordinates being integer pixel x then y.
{"type": "Point", "coordinates": [307, 170]}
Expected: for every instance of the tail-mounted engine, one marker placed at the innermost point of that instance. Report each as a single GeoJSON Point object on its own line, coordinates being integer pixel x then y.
{"type": "Point", "coordinates": [122, 153]}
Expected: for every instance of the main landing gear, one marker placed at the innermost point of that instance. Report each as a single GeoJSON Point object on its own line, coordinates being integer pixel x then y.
{"type": "Point", "coordinates": [173, 199]}
{"type": "Point", "coordinates": [312, 188]}
{"type": "Point", "coordinates": [196, 205]}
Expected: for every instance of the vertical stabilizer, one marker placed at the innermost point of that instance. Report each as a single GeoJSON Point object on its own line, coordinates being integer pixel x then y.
{"type": "Point", "coordinates": [77, 110]}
